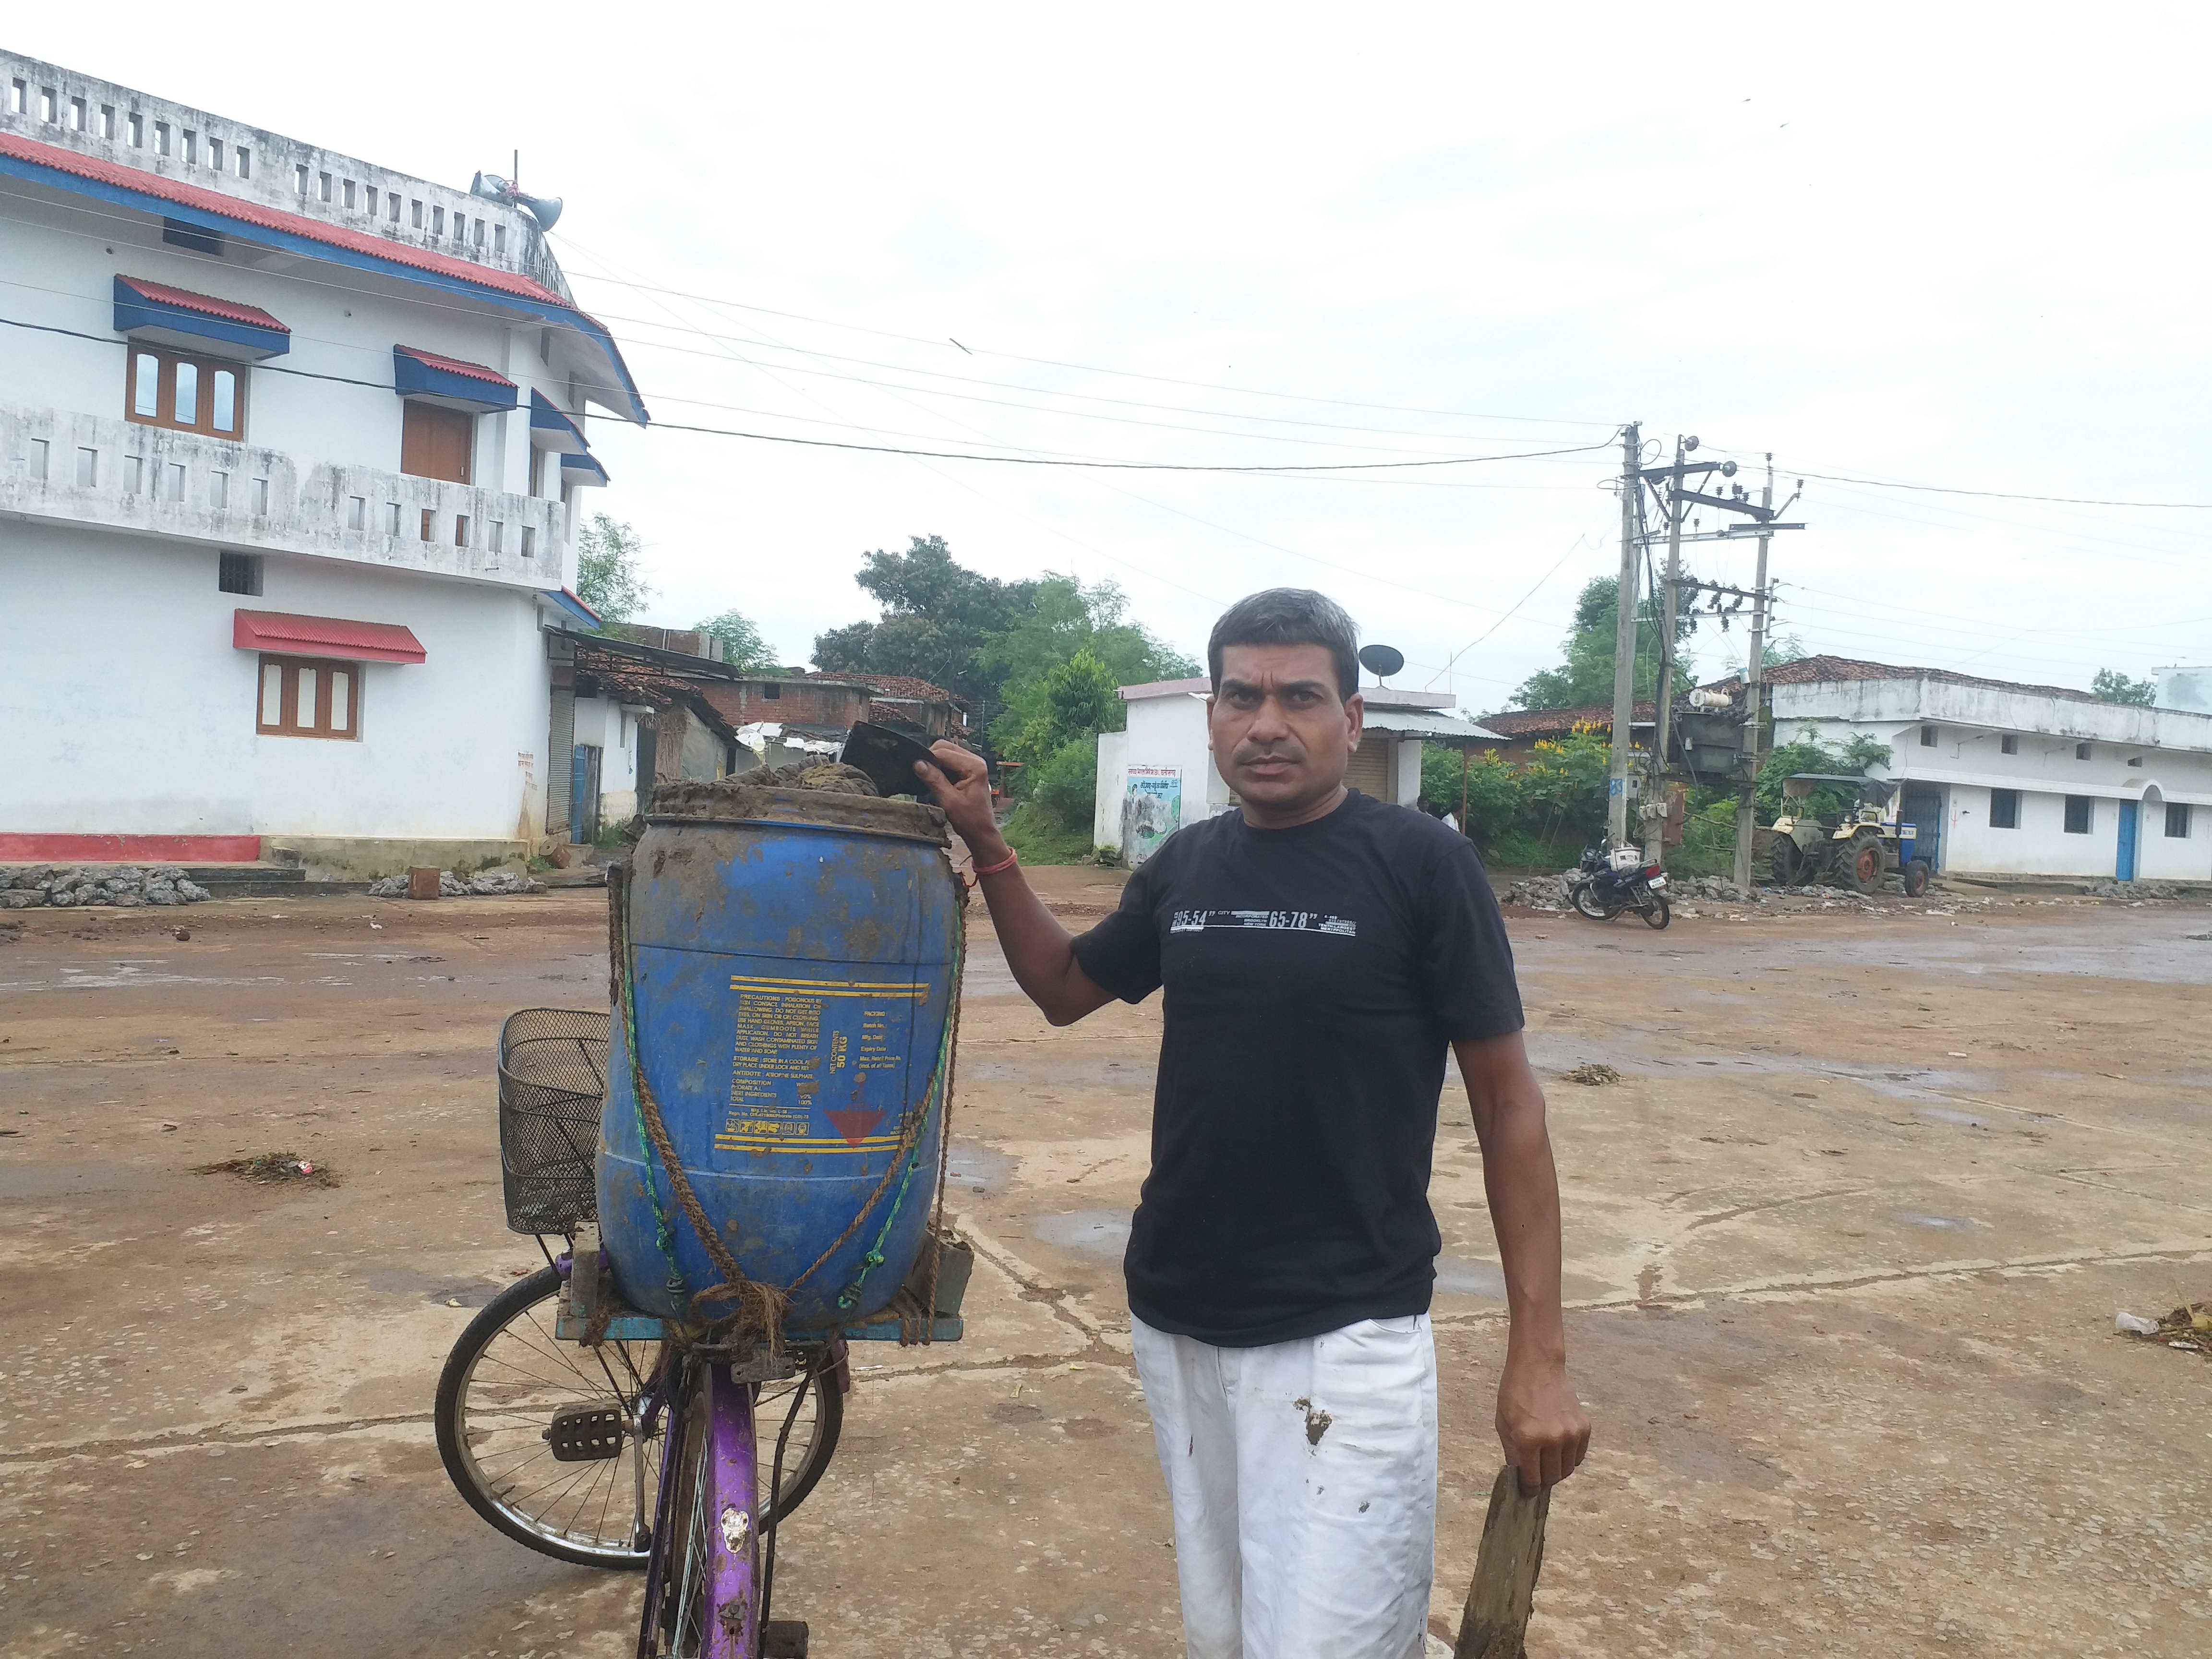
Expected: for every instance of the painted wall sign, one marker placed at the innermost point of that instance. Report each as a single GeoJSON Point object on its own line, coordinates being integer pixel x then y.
{"type": "Point", "coordinates": [1152, 810]}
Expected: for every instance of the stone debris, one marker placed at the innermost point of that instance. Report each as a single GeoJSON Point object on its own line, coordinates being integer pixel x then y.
{"type": "Point", "coordinates": [23, 887]}
{"type": "Point", "coordinates": [1550, 892]}
{"type": "Point", "coordinates": [489, 884]}
{"type": "Point", "coordinates": [1594, 1075]}
{"type": "Point", "coordinates": [1538, 893]}
{"type": "Point", "coordinates": [2133, 890]}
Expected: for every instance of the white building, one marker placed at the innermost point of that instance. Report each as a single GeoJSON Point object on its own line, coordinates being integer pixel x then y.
{"type": "Point", "coordinates": [289, 443]}
{"type": "Point", "coordinates": [1159, 773]}
{"type": "Point", "coordinates": [2020, 779]}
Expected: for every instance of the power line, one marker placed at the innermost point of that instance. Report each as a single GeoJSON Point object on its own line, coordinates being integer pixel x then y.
{"type": "Point", "coordinates": [1090, 368]}
{"type": "Point", "coordinates": [1509, 615]}
{"type": "Point", "coordinates": [1119, 467]}
{"type": "Point", "coordinates": [2006, 496]}
{"type": "Point", "coordinates": [1042, 392]}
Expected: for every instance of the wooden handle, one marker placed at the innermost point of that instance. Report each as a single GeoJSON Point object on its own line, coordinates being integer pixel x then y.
{"type": "Point", "coordinates": [1496, 1623]}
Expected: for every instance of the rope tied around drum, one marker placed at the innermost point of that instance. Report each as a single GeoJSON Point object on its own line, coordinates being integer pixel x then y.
{"type": "Point", "coordinates": [758, 1315]}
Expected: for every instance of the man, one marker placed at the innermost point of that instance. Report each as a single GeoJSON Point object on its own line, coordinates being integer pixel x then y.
{"type": "Point", "coordinates": [1320, 950]}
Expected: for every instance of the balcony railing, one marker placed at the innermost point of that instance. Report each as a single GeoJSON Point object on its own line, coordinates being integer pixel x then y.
{"type": "Point", "coordinates": [82, 469]}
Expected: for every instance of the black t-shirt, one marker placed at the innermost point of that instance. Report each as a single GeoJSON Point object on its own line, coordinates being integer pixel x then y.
{"type": "Point", "coordinates": [1314, 979]}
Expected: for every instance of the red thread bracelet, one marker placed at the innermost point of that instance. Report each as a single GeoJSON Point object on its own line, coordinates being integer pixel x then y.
{"type": "Point", "coordinates": [1008, 862]}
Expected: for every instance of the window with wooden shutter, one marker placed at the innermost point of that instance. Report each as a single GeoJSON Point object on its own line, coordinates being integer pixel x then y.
{"type": "Point", "coordinates": [184, 393]}
{"type": "Point", "coordinates": [434, 442]}
{"type": "Point", "coordinates": [308, 697]}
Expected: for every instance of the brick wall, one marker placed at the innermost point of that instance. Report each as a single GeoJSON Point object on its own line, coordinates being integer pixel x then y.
{"type": "Point", "coordinates": [741, 702]}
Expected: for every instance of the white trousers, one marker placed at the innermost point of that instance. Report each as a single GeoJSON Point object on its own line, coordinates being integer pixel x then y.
{"type": "Point", "coordinates": [1304, 1480]}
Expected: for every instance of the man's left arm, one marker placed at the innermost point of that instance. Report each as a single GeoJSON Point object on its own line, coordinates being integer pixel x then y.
{"type": "Point", "coordinates": [1541, 1423]}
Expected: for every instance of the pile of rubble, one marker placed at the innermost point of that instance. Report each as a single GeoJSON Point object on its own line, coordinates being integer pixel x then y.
{"type": "Point", "coordinates": [2132, 889]}
{"type": "Point", "coordinates": [489, 884]}
{"type": "Point", "coordinates": [1718, 888]}
{"type": "Point", "coordinates": [1550, 892]}
{"type": "Point", "coordinates": [1538, 893]}
{"type": "Point", "coordinates": [22, 888]}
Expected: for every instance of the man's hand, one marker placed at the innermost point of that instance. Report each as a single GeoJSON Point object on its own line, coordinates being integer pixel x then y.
{"type": "Point", "coordinates": [1543, 1428]}
{"type": "Point", "coordinates": [962, 785]}
{"type": "Point", "coordinates": [1038, 949]}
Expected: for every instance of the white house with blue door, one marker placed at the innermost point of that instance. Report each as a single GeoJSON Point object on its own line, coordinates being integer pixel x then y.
{"type": "Point", "coordinates": [2008, 780]}
{"type": "Point", "coordinates": [290, 450]}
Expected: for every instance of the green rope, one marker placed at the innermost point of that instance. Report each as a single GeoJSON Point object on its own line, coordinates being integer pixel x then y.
{"type": "Point", "coordinates": [849, 1297]}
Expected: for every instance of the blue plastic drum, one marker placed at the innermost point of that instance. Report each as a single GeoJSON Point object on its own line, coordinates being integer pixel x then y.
{"type": "Point", "coordinates": [794, 954]}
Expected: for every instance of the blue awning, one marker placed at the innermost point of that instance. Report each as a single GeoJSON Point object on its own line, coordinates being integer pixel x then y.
{"type": "Point", "coordinates": [201, 322]}
{"type": "Point", "coordinates": [551, 429]}
{"type": "Point", "coordinates": [451, 382]}
{"type": "Point", "coordinates": [582, 470]}
{"type": "Point", "coordinates": [562, 599]}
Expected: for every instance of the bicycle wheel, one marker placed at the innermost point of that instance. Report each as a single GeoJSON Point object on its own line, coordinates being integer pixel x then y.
{"type": "Point", "coordinates": [686, 1571]}
{"type": "Point", "coordinates": [503, 1381]}
{"type": "Point", "coordinates": [708, 1578]}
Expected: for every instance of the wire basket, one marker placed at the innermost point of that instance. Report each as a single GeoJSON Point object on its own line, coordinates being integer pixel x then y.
{"type": "Point", "coordinates": [552, 1083]}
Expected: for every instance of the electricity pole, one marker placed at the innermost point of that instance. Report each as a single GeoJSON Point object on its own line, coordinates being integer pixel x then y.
{"type": "Point", "coordinates": [1624, 639]}
{"type": "Point", "coordinates": [1745, 806]}
{"type": "Point", "coordinates": [1662, 693]}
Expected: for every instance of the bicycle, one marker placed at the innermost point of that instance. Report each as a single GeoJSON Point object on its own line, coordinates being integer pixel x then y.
{"type": "Point", "coordinates": [595, 1434]}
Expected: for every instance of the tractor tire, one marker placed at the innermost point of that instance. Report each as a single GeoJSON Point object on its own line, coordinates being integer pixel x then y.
{"type": "Point", "coordinates": [1786, 863]}
{"type": "Point", "coordinates": [1862, 864]}
{"type": "Point", "coordinates": [1915, 879]}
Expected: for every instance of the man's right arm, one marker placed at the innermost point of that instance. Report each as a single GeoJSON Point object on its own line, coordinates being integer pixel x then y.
{"type": "Point", "coordinates": [1040, 952]}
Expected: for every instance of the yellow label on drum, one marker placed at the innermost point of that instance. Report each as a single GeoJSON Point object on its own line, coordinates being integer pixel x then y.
{"type": "Point", "coordinates": [805, 1053]}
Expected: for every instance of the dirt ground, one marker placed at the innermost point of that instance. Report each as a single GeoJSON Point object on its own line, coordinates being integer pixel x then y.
{"type": "Point", "coordinates": [1844, 1245]}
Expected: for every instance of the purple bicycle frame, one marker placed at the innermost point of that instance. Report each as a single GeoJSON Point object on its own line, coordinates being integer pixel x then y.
{"type": "Point", "coordinates": [730, 1619]}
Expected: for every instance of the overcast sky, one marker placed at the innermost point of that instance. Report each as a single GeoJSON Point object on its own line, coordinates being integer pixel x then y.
{"type": "Point", "coordinates": [1965, 250]}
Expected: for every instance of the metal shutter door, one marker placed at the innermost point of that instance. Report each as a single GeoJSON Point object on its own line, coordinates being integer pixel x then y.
{"type": "Point", "coordinates": [1369, 770]}
{"type": "Point", "coordinates": [560, 762]}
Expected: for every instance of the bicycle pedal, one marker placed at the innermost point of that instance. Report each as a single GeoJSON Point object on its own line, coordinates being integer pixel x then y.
{"type": "Point", "coordinates": [583, 1434]}
{"type": "Point", "coordinates": [784, 1638]}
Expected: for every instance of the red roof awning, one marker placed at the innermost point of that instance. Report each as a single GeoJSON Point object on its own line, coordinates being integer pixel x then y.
{"type": "Point", "coordinates": [456, 366]}
{"type": "Point", "coordinates": [206, 304]}
{"type": "Point", "coordinates": [325, 636]}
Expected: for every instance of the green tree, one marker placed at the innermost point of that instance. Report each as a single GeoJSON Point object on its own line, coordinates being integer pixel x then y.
{"type": "Point", "coordinates": [610, 569]}
{"type": "Point", "coordinates": [2110, 685]}
{"type": "Point", "coordinates": [1586, 676]}
{"type": "Point", "coordinates": [742, 644]}
{"type": "Point", "coordinates": [937, 618]}
{"type": "Point", "coordinates": [1075, 699]}
{"type": "Point", "coordinates": [1809, 752]}
{"type": "Point", "coordinates": [1787, 649]}
{"type": "Point", "coordinates": [1036, 662]}
{"type": "Point", "coordinates": [1489, 787]}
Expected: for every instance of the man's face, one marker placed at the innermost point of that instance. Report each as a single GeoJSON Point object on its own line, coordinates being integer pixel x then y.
{"type": "Point", "coordinates": [1281, 734]}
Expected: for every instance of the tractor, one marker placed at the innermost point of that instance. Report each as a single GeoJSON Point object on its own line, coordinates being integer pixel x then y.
{"type": "Point", "coordinates": [1853, 846]}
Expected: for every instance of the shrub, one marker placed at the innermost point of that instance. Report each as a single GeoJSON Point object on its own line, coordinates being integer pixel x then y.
{"type": "Point", "coordinates": [1066, 784]}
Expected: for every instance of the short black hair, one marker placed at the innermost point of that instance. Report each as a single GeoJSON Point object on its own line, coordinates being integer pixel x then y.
{"type": "Point", "coordinates": [1289, 616]}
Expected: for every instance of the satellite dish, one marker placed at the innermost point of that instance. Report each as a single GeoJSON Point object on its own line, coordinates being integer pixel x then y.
{"type": "Point", "coordinates": [1381, 660]}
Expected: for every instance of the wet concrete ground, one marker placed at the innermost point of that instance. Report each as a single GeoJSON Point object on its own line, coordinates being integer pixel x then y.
{"type": "Point", "coordinates": [1845, 1246]}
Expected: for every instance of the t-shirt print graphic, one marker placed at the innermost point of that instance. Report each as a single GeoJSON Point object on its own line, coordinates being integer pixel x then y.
{"type": "Point", "coordinates": [1281, 921]}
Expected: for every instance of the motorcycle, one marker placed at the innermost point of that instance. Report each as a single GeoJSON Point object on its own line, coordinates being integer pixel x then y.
{"type": "Point", "coordinates": [1611, 879]}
